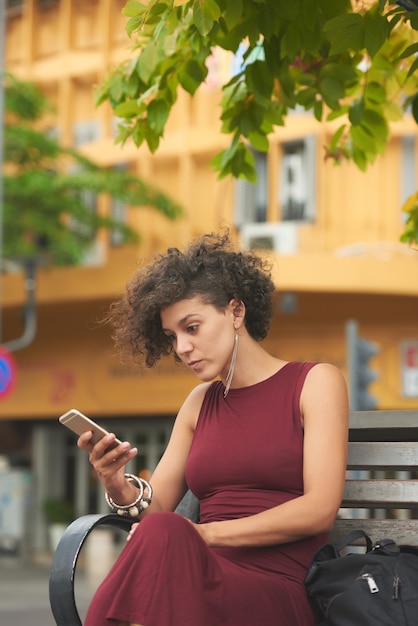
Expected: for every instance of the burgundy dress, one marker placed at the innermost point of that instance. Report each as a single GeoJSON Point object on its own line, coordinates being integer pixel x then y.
{"type": "Point", "coordinates": [246, 457]}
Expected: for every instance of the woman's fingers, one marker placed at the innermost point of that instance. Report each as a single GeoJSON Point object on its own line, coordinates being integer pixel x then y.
{"type": "Point", "coordinates": [83, 441]}
{"type": "Point", "coordinates": [131, 532]}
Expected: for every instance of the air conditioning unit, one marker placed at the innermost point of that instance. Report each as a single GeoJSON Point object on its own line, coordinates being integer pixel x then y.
{"type": "Point", "coordinates": [281, 237]}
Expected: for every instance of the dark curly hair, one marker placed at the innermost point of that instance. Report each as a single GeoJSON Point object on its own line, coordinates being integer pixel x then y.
{"type": "Point", "coordinates": [210, 268]}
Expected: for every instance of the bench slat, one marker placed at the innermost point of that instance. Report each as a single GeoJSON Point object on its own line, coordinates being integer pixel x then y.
{"type": "Point", "coordinates": [381, 493]}
{"type": "Point", "coordinates": [383, 455]}
{"type": "Point", "coordinates": [383, 419]}
{"type": "Point", "coordinates": [401, 531]}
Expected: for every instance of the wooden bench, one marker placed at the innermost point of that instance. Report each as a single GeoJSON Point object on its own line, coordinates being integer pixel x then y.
{"type": "Point", "coordinates": [382, 484]}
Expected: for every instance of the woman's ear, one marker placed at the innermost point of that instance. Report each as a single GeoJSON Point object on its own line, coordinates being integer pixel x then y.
{"type": "Point", "coordinates": [237, 308]}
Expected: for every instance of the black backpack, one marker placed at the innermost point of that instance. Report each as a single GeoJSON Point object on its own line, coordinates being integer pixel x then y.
{"type": "Point", "coordinates": [375, 588]}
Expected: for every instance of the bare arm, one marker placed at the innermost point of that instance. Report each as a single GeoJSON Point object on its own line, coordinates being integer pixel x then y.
{"type": "Point", "coordinates": [168, 480]}
{"type": "Point", "coordinates": [324, 410]}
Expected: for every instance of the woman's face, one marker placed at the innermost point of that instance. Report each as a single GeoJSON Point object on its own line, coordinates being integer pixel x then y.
{"type": "Point", "coordinates": [202, 336]}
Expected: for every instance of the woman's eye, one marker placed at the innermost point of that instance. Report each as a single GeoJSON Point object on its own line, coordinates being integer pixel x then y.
{"type": "Point", "coordinates": [192, 328]}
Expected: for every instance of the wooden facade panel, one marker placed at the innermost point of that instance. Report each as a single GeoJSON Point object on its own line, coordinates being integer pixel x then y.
{"type": "Point", "coordinates": [348, 263]}
{"type": "Point", "coordinates": [47, 40]}
{"type": "Point", "coordinates": [86, 24]}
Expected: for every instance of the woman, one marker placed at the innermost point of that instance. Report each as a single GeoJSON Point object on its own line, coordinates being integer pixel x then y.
{"type": "Point", "coordinates": [261, 442]}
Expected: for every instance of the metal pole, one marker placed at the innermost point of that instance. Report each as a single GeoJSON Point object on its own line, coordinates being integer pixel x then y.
{"type": "Point", "coordinates": [3, 17]}
{"type": "Point", "coordinates": [29, 311]}
{"type": "Point", "coordinates": [351, 338]}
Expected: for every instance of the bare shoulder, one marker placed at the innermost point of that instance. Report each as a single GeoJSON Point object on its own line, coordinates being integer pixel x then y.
{"type": "Point", "coordinates": [324, 392]}
{"type": "Point", "coordinates": [190, 409]}
{"type": "Point", "coordinates": [325, 374]}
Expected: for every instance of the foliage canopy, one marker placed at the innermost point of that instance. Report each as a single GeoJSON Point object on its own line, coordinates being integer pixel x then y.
{"type": "Point", "coordinates": [353, 61]}
{"type": "Point", "coordinates": [48, 188]}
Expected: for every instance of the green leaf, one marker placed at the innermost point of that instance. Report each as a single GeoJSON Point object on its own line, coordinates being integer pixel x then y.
{"type": "Point", "coordinates": [232, 13]}
{"type": "Point", "coordinates": [147, 61]}
{"type": "Point", "coordinates": [414, 108]}
{"type": "Point", "coordinates": [333, 115]}
{"type": "Point", "coordinates": [375, 92]}
{"type": "Point", "coordinates": [409, 51]}
{"type": "Point", "coordinates": [158, 111]}
{"type": "Point", "coordinates": [376, 124]}
{"type": "Point", "coordinates": [360, 159]}
{"type": "Point", "coordinates": [393, 111]}
{"type": "Point", "coordinates": [356, 112]}
{"type": "Point", "coordinates": [413, 68]}
{"type": "Point", "coordinates": [242, 164]}
{"type": "Point", "coordinates": [413, 19]}
{"type": "Point", "coordinates": [191, 76]}
{"type": "Point", "coordinates": [229, 153]}
{"type": "Point", "coordinates": [258, 141]}
{"type": "Point", "coordinates": [133, 86]}
{"type": "Point", "coordinates": [133, 8]}
{"type": "Point", "coordinates": [259, 79]}
{"type": "Point", "coordinates": [306, 98]}
{"type": "Point", "coordinates": [345, 32]}
{"type": "Point", "coordinates": [337, 136]}
{"type": "Point", "coordinates": [152, 139]}
{"type": "Point", "coordinates": [290, 43]}
{"type": "Point", "coordinates": [202, 21]}
{"type": "Point", "coordinates": [332, 91]}
{"type": "Point", "coordinates": [129, 108]}
{"type": "Point", "coordinates": [363, 139]}
{"type": "Point", "coordinates": [211, 9]}
{"type": "Point", "coordinates": [318, 110]}
{"type": "Point", "coordinates": [376, 33]}
{"type": "Point", "coordinates": [274, 114]}
{"type": "Point", "coordinates": [339, 71]}
{"type": "Point", "coordinates": [138, 133]}
{"type": "Point", "coordinates": [133, 24]}
{"type": "Point", "coordinates": [116, 88]}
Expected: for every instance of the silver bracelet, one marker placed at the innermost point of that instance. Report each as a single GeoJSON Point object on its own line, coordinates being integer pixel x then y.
{"type": "Point", "coordinates": [140, 504]}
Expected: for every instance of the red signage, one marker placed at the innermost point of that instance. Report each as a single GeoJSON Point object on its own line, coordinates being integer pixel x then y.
{"type": "Point", "coordinates": [410, 369]}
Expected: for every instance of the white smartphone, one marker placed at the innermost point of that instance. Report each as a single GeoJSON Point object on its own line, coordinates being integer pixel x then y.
{"type": "Point", "coordinates": [79, 423]}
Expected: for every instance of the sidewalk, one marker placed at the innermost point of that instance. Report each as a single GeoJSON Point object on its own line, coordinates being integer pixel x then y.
{"type": "Point", "coordinates": [24, 594]}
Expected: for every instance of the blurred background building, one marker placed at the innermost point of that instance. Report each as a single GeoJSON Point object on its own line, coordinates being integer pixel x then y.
{"type": "Point", "coordinates": [333, 234]}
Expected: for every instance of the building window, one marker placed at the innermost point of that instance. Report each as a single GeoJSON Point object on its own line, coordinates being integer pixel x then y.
{"type": "Point", "coordinates": [14, 7]}
{"type": "Point", "coordinates": [118, 211]}
{"type": "Point", "coordinates": [46, 4]}
{"type": "Point", "coordinates": [251, 199]}
{"type": "Point", "coordinates": [297, 189]}
{"type": "Point", "coordinates": [85, 132]}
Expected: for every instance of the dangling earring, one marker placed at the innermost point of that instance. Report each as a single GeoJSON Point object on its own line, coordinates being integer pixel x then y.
{"type": "Point", "coordinates": [232, 366]}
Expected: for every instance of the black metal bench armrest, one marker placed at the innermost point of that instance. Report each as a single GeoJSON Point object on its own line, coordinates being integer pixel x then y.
{"type": "Point", "coordinates": [62, 574]}
{"type": "Point", "coordinates": [64, 561]}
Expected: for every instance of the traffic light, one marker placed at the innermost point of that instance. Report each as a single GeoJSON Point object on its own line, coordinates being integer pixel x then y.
{"type": "Point", "coordinates": [360, 373]}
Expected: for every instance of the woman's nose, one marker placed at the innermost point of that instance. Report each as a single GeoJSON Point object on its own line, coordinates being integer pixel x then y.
{"type": "Point", "coordinates": [184, 345]}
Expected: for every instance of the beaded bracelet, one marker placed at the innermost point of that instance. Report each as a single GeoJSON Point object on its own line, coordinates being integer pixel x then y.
{"type": "Point", "coordinates": [140, 504]}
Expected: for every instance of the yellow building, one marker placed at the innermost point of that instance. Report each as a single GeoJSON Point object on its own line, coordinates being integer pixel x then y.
{"type": "Point", "coordinates": [333, 234]}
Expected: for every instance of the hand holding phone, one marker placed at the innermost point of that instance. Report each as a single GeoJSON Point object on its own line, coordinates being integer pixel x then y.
{"type": "Point", "coordinates": [79, 423]}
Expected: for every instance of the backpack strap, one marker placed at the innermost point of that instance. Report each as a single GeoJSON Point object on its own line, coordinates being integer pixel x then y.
{"type": "Point", "coordinates": [351, 538]}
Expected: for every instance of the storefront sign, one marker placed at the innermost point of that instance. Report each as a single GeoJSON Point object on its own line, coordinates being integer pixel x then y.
{"type": "Point", "coordinates": [410, 369]}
